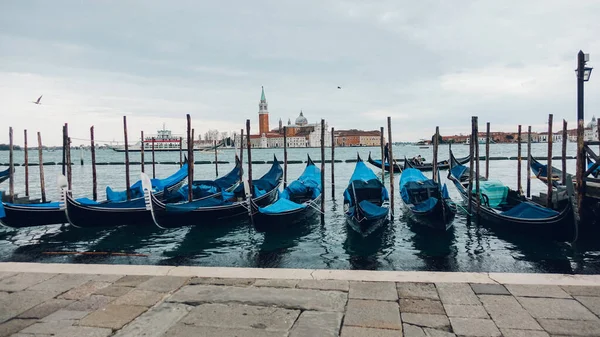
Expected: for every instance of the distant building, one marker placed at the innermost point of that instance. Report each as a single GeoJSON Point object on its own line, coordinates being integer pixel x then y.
{"type": "Point", "coordinates": [590, 133]}
{"type": "Point", "coordinates": [356, 137]}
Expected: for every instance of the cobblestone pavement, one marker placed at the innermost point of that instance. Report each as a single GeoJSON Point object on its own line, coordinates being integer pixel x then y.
{"type": "Point", "coordinates": [46, 304]}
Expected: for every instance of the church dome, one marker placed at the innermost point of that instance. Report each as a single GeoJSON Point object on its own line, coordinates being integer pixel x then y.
{"type": "Point", "coordinates": [593, 123]}
{"type": "Point", "coordinates": [301, 120]}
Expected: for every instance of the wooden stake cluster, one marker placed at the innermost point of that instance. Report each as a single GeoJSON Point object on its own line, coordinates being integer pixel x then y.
{"type": "Point", "coordinates": [285, 156]}
{"type": "Point", "coordinates": [11, 166]}
{"type": "Point", "coordinates": [94, 177]}
{"type": "Point", "coordinates": [190, 150]}
{"type": "Point", "coordinates": [487, 150]}
{"type": "Point", "coordinates": [549, 167]}
{"type": "Point", "coordinates": [519, 185]}
{"type": "Point", "coordinates": [333, 163]}
{"type": "Point", "coordinates": [126, 159]}
{"type": "Point", "coordinates": [382, 146]}
{"type": "Point", "coordinates": [391, 159]}
{"type": "Point", "coordinates": [564, 153]}
{"type": "Point", "coordinates": [42, 183]}
{"type": "Point", "coordinates": [26, 164]}
{"type": "Point", "coordinates": [529, 161]}
{"type": "Point", "coordinates": [434, 171]}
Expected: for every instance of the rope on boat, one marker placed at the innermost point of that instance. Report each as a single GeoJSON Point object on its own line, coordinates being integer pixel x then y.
{"type": "Point", "coordinates": [95, 253]}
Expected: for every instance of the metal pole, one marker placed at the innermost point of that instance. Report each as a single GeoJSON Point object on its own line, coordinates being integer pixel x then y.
{"type": "Point", "coordinates": [42, 184]}
{"type": "Point", "coordinates": [391, 159]}
{"type": "Point", "coordinates": [153, 161]}
{"type": "Point", "coordinates": [11, 166]}
{"type": "Point", "coordinates": [284, 156]}
{"type": "Point", "coordinates": [487, 151]}
{"type": "Point", "coordinates": [126, 158]}
{"type": "Point", "coordinates": [26, 164]}
{"type": "Point", "coordinates": [519, 184]}
{"type": "Point", "coordinates": [382, 146]}
{"type": "Point", "coordinates": [581, 161]}
{"type": "Point", "coordinates": [529, 161]}
{"type": "Point", "coordinates": [564, 153]}
{"type": "Point", "coordinates": [332, 164]}
{"type": "Point", "coordinates": [322, 167]}
{"type": "Point", "coordinates": [549, 167]}
{"type": "Point", "coordinates": [94, 177]}
{"type": "Point", "coordinates": [190, 150]}
{"type": "Point", "coordinates": [216, 160]}
{"type": "Point", "coordinates": [435, 154]}
{"type": "Point", "coordinates": [142, 151]}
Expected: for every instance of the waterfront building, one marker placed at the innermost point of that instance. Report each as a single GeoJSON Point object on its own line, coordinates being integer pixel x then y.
{"type": "Point", "coordinates": [590, 132]}
{"type": "Point", "coordinates": [354, 137]}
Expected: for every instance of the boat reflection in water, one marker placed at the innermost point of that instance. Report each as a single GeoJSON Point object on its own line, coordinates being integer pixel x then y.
{"type": "Point", "coordinates": [367, 252]}
{"type": "Point", "coordinates": [436, 249]}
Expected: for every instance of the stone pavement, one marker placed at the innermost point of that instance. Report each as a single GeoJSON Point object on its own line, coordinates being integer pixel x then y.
{"type": "Point", "coordinates": [99, 305]}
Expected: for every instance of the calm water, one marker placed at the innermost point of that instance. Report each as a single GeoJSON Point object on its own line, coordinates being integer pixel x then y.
{"type": "Point", "coordinates": [399, 246]}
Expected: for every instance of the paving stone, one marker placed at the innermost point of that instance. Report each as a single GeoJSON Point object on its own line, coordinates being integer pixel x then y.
{"type": "Point", "coordinates": [489, 289]}
{"type": "Point", "coordinates": [3, 295]}
{"type": "Point", "coordinates": [238, 282]}
{"type": "Point", "coordinates": [570, 328]}
{"type": "Point", "coordinates": [590, 302]}
{"type": "Point", "coordinates": [417, 290]}
{"type": "Point", "coordinates": [30, 335]}
{"type": "Point", "coordinates": [437, 333]}
{"type": "Point", "coordinates": [142, 298]}
{"type": "Point", "coordinates": [523, 333]}
{"type": "Point", "coordinates": [14, 326]}
{"type": "Point", "coordinates": [47, 327]}
{"type": "Point", "coordinates": [112, 316]}
{"type": "Point", "coordinates": [556, 308]}
{"type": "Point", "coordinates": [83, 331]}
{"type": "Point", "coordinates": [132, 280]}
{"type": "Point", "coordinates": [426, 320]}
{"type": "Point", "coordinates": [155, 322]}
{"type": "Point", "coordinates": [113, 291]}
{"type": "Point", "coordinates": [508, 313]}
{"type": "Point", "coordinates": [23, 281]}
{"type": "Point", "coordinates": [314, 323]}
{"type": "Point", "coordinates": [467, 311]}
{"type": "Point", "coordinates": [19, 302]}
{"type": "Point", "coordinates": [62, 283]}
{"type": "Point", "coordinates": [351, 331]}
{"type": "Point", "coordinates": [240, 316]}
{"type": "Point", "coordinates": [5, 274]}
{"type": "Point", "coordinates": [45, 309]}
{"type": "Point", "coordinates": [94, 302]}
{"type": "Point", "coordinates": [276, 283]}
{"type": "Point", "coordinates": [106, 278]}
{"type": "Point", "coordinates": [381, 291]}
{"type": "Point", "coordinates": [163, 284]}
{"type": "Point", "coordinates": [373, 314]}
{"type": "Point", "coordinates": [582, 290]}
{"type": "Point", "coordinates": [339, 285]}
{"type": "Point", "coordinates": [537, 290]}
{"type": "Point", "coordinates": [457, 293]}
{"type": "Point", "coordinates": [84, 290]}
{"type": "Point", "coordinates": [421, 306]}
{"type": "Point", "coordinates": [304, 299]}
{"type": "Point", "coordinates": [474, 327]}
{"type": "Point", "coordinates": [410, 330]}
{"type": "Point", "coordinates": [181, 330]}
{"type": "Point", "coordinates": [62, 315]}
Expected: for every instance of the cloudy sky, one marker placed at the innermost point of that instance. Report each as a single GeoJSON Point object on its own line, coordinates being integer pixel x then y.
{"type": "Point", "coordinates": [424, 63]}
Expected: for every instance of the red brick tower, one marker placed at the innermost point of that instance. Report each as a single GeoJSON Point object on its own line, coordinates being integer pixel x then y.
{"type": "Point", "coordinates": [263, 114]}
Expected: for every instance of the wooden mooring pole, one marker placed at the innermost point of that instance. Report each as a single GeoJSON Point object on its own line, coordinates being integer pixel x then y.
{"type": "Point", "coordinates": [382, 146]}
{"type": "Point", "coordinates": [26, 164]}
{"type": "Point", "coordinates": [549, 167]}
{"type": "Point", "coordinates": [127, 185]}
{"type": "Point", "coordinates": [94, 177]}
{"type": "Point", "coordinates": [180, 151]}
{"type": "Point", "coordinates": [154, 160]}
{"type": "Point", "coordinates": [529, 161]}
{"type": "Point", "coordinates": [565, 137]}
{"type": "Point", "coordinates": [64, 151]}
{"type": "Point", "coordinates": [435, 154]}
{"type": "Point", "coordinates": [471, 168]}
{"type": "Point", "coordinates": [519, 184]}
{"type": "Point", "coordinates": [332, 163]}
{"type": "Point", "coordinates": [391, 159]}
{"type": "Point", "coordinates": [242, 147]}
{"type": "Point", "coordinates": [190, 153]}
{"type": "Point", "coordinates": [142, 152]}
{"type": "Point", "coordinates": [11, 166]}
{"type": "Point", "coordinates": [487, 150]}
{"type": "Point", "coordinates": [41, 159]}
{"type": "Point", "coordinates": [249, 147]}
{"type": "Point", "coordinates": [322, 167]}
{"type": "Point", "coordinates": [69, 164]}
{"type": "Point", "coordinates": [581, 159]}
{"type": "Point", "coordinates": [285, 157]}
{"type": "Point", "coordinates": [477, 171]}
{"type": "Point", "coordinates": [216, 160]}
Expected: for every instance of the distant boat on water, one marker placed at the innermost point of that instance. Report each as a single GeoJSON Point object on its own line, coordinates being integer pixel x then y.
{"type": "Point", "coordinates": [165, 141]}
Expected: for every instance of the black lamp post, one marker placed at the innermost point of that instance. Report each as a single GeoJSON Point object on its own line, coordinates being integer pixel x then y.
{"type": "Point", "coordinates": [583, 75]}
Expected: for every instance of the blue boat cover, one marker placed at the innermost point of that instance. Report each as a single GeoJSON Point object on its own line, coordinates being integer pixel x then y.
{"type": "Point", "coordinates": [202, 203]}
{"type": "Point", "coordinates": [529, 210]}
{"type": "Point", "coordinates": [372, 211]}
{"type": "Point", "coordinates": [157, 185]}
{"type": "Point", "coordinates": [458, 170]}
{"type": "Point", "coordinates": [418, 191]}
{"type": "Point", "coordinates": [426, 205]}
{"type": "Point", "coordinates": [307, 185]}
{"type": "Point", "coordinates": [495, 190]}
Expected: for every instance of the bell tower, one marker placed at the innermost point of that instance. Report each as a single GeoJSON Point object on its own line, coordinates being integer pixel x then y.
{"type": "Point", "coordinates": [263, 114]}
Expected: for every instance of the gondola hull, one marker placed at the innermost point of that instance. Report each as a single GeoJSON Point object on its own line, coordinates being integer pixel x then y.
{"type": "Point", "coordinates": [365, 226]}
{"type": "Point", "coordinates": [377, 163]}
{"type": "Point", "coordinates": [89, 216]}
{"type": "Point", "coordinates": [4, 175]}
{"type": "Point", "coordinates": [439, 217]}
{"type": "Point", "coordinates": [280, 221]}
{"type": "Point", "coordinates": [21, 216]}
{"type": "Point", "coordinates": [442, 165]}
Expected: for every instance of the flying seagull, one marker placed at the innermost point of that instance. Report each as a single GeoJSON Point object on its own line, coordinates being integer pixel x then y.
{"type": "Point", "coordinates": [38, 100]}
{"type": "Point", "coordinates": [339, 87]}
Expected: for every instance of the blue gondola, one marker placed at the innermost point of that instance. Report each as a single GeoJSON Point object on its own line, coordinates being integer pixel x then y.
{"type": "Point", "coordinates": [208, 211]}
{"type": "Point", "coordinates": [541, 172]}
{"type": "Point", "coordinates": [299, 201]}
{"type": "Point", "coordinates": [366, 200]}
{"type": "Point", "coordinates": [505, 209]}
{"type": "Point", "coordinates": [427, 200]}
{"type": "Point", "coordinates": [4, 174]}
{"type": "Point", "coordinates": [51, 213]}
